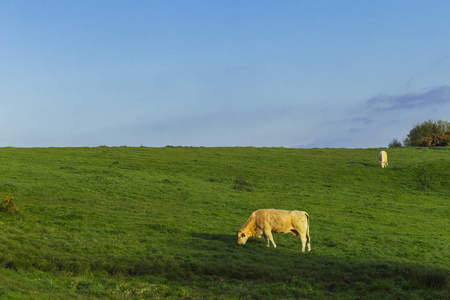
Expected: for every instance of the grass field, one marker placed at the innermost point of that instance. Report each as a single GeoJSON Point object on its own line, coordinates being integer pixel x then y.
{"type": "Point", "coordinates": [160, 223]}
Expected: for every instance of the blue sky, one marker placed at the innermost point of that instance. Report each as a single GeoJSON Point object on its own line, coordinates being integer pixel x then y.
{"type": "Point", "coordinates": [352, 74]}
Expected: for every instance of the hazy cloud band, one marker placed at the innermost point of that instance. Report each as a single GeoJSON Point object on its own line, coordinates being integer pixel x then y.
{"type": "Point", "coordinates": [431, 97]}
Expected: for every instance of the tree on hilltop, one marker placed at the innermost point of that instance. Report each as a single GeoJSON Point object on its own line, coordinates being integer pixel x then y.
{"type": "Point", "coordinates": [421, 134]}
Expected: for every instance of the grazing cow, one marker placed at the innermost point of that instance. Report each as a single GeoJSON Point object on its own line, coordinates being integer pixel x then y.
{"type": "Point", "coordinates": [382, 157]}
{"type": "Point", "coordinates": [265, 221]}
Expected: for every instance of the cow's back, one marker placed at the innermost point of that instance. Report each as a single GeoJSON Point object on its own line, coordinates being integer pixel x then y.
{"type": "Point", "coordinates": [279, 221]}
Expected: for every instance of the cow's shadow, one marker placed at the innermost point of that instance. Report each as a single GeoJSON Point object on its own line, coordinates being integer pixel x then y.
{"type": "Point", "coordinates": [224, 238]}
{"type": "Point", "coordinates": [365, 164]}
{"type": "Point", "coordinates": [229, 239]}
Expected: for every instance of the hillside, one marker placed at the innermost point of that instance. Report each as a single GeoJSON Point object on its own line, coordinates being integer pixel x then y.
{"type": "Point", "coordinates": [160, 222]}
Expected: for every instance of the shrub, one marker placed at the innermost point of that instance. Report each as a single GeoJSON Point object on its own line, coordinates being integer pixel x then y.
{"type": "Point", "coordinates": [8, 206]}
{"type": "Point", "coordinates": [395, 144]}
{"type": "Point", "coordinates": [437, 139]}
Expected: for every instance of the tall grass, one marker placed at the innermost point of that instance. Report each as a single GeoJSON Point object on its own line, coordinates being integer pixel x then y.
{"type": "Point", "coordinates": [160, 223]}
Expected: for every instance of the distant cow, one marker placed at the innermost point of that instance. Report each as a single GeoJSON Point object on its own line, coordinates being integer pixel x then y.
{"type": "Point", "coordinates": [265, 221]}
{"type": "Point", "coordinates": [382, 157]}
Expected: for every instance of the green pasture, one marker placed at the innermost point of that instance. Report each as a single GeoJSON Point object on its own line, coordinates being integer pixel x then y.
{"type": "Point", "coordinates": [156, 223]}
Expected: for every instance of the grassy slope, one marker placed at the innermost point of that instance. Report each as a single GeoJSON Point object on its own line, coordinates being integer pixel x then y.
{"type": "Point", "coordinates": [160, 222]}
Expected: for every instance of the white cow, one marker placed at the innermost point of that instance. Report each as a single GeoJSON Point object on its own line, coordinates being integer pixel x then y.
{"type": "Point", "coordinates": [382, 157]}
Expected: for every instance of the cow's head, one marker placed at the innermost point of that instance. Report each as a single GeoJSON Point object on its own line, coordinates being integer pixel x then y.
{"type": "Point", "coordinates": [242, 237]}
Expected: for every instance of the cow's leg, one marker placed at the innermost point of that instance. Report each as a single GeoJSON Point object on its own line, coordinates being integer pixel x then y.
{"type": "Point", "coordinates": [269, 238]}
{"type": "Point", "coordinates": [303, 238]}
{"type": "Point", "coordinates": [305, 241]}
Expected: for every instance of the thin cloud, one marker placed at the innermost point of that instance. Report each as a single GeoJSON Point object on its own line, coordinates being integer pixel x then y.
{"type": "Point", "coordinates": [376, 121]}
{"type": "Point", "coordinates": [363, 120]}
{"type": "Point", "coordinates": [431, 97]}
